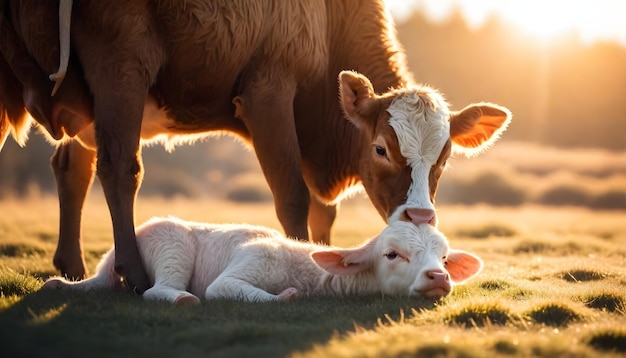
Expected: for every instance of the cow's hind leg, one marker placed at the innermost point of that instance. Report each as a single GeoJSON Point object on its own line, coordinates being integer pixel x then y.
{"type": "Point", "coordinates": [266, 107]}
{"type": "Point", "coordinates": [73, 168]}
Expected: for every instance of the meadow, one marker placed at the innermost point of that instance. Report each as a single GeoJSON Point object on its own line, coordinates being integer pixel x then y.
{"type": "Point", "coordinates": [554, 284]}
{"type": "Point", "coordinates": [545, 208]}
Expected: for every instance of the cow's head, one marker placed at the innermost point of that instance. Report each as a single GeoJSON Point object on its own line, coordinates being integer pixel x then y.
{"type": "Point", "coordinates": [412, 133]}
{"type": "Point", "coordinates": [406, 259]}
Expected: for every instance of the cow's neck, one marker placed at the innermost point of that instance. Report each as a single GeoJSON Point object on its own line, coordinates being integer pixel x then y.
{"type": "Point", "coordinates": [364, 39]}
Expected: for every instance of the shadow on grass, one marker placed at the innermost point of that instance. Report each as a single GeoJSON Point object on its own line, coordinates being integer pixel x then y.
{"type": "Point", "coordinates": [120, 324]}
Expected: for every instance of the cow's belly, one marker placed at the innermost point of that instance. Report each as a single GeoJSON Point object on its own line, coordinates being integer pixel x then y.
{"type": "Point", "coordinates": [158, 127]}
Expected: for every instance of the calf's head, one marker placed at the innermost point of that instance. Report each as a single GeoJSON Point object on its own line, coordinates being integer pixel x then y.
{"type": "Point", "coordinates": [406, 259]}
{"type": "Point", "coordinates": [412, 133]}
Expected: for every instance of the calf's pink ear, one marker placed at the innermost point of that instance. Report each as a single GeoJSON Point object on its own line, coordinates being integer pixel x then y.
{"type": "Point", "coordinates": [463, 265]}
{"type": "Point", "coordinates": [357, 93]}
{"type": "Point", "coordinates": [343, 261]}
{"type": "Point", "coordinates": [476, 127]}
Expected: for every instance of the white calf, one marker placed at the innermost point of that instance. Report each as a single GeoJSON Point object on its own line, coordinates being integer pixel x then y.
{"type": "Point", "coordinates": [186, 260]}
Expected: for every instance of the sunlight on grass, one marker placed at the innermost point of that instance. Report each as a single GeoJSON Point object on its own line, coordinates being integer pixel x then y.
{"type": "Point", "coordinates": [553, 285]}
{"type": "Point", "coordinates": [46, 316]}
{"type": "Point", "coordinates": [609, 340]}
{"type": "Point", "coordinates": [494, 285]}
{"type": "Point", "coordinates": [556, 314]}
{"type": "Point", "coordinates": [581, 275]}
{"type": "Point", "coordinates": [541, 247]}
{"type": "Point", "coordinates": [479, 315]}
{"type": "Point", "coordinates": [486, 231]}
{"type": "Point", "coordinates": [16, 284]}
{"type": "Point", "coordinates": [605, 301]}
{"type": "Point", "coordinates": [8, 301]}
{"type": "Point", "coordinates": [20, 250]}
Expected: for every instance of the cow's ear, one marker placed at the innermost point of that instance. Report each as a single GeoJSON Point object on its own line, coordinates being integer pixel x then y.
{"type": "Point", "coordinates": [344, 261]}
{"type": "Point", "coordinates": [463, 265]}
{"type": "Point", "coordinates": [357, 96]}
{"type": "Point", "coordinates": [476, 127]}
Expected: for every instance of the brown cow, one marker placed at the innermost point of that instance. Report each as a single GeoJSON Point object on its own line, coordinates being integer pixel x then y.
{"type": "Point", "coordinates": [265, 71]}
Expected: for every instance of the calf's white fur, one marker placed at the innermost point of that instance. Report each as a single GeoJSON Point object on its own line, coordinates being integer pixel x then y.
{"type": "Point", "coordinates": [187, 260]}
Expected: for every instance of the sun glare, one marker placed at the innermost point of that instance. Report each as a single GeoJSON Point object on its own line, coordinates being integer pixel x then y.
{"type": "Point", "coordinates": [543, 20]}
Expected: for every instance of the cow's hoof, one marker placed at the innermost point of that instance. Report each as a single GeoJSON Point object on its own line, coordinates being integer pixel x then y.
{"type": "Point", "coordinates": [74, 269]}
{"type": "Point", "coordinates": [135, 280]}
{"type": "Point", "coordinates": [289, 294]}
{"type": "Point", "coordinates": [186, 300]}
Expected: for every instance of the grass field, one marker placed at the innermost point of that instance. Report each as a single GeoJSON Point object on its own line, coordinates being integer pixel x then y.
{"type": "Point", "coordinates": [554, 285]}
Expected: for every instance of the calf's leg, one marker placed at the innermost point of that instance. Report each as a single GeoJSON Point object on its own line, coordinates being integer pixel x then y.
{"type": "Point", "coordinates": [229, 287]}
{"type": "Point", "coordinates": [73, 168]}
{"type": "Point", "coordinates": [169, 294]}
{"type": "Point", "coordinates": [172, 259]}
{"type": "Point", "coordinates": [105, 277]}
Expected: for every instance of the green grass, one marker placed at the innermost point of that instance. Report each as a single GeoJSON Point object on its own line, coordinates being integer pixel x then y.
{"type": "Point", "coordinates": [605, 301]}
{"type": "Point", "coordinates": [609, 340]}
{"type": "Point", "coordinates": [486, 231]}
{"type": "Point", "coordinates": [555, 314]}
{"type": "Point", "coordinates": [545, 291]}
{"type": "Point", "coordinates": [480, 315]}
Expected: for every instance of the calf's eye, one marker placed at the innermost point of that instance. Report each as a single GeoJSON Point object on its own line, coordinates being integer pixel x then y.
{"type": "Point", "coordinates": [391, 255]}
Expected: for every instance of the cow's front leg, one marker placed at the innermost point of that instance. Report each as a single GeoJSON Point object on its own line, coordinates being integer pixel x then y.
{"type": "Point", "coordinates": [119, 168]}
{"type": "Point", "coordinates": [321, 219]}
{"type": "Point", "coordinates": [121, 57]}
{"type": "Point", "coordinates": [266, 107]}
{"type": "Point", "coordinates": [73, 168]}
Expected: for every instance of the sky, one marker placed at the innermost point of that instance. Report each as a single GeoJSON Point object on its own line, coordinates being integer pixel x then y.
{"type": "Point", "coordinates": [592, 20]}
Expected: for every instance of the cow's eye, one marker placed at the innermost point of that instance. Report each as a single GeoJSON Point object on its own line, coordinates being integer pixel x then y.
{"type": "Point", "coordinates": [391, 255]}
{"type": "Point", "coordinates": [380, 151]}
{"type": "Point", "coordinates": [445, 260]}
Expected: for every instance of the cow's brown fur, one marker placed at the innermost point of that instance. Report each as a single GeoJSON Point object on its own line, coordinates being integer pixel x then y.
{"type": "Point", "coordinates": [263, 70]}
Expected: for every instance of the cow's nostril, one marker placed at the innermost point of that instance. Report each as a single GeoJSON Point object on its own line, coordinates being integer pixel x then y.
{"type": "Point", "coordinates": [420, 216]}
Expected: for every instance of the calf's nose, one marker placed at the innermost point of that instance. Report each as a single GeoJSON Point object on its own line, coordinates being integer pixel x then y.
{"type": "Point", "coordinates": [438, 276]}
{"type": "Point", "coordinates": [420, 216]}
{"type": "Point", "coordinates": [438, 284]}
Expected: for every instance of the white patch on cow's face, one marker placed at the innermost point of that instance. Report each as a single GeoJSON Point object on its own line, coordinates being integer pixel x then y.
{"type": "Point", "coordinates": [420, 119]}
{"type": "Point", "coordinates": [407, 252]}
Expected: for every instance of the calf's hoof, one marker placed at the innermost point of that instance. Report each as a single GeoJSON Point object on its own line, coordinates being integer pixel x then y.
{"type": "Point", "coordinates": [186, 299]}
{"type": "Point", "coordinates": [288, 295]}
